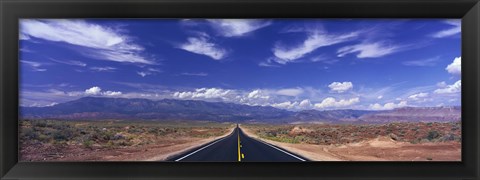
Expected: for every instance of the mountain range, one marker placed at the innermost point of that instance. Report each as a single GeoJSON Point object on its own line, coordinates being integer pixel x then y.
{"type": "Point", "coordinates": [98, 108]}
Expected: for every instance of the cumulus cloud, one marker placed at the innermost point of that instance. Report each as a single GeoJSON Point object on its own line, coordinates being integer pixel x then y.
{"type": "Point", "coordinates": [340, 86]}
{"type": "Point", "coordinates": [290, 92]}
{"type": "Point", "coordinates": [104, 43]}
{"type": "Point", "coordinates": [305, 104]}
{"type": "Point", "coordinates": [204, 93]}
{"type": "Point", "coordinates": [315, 40]}
{"type": "Point", "coordinates": [388, 106]}
{"type": "Point", "coordinates": [369, 49]}
{"type": "Point", "coordinates": [112, 93]}
{"type": "Point", "coordinates": [418, 96]}
{"type": "Point", "coordinates": [96, 91]}
{"type": "Point", "coordinates": [93, 90]}
{"type": "Point", "coordinates": [237, 27]}
{"type": "Point", "coordinates": [450, 89]}
{"type": "Point", "coordinates": [258, 94]}
{"type": "Point", "coordinates": [455, 67]}
{"type": "Point", "coordinates": [454, 30]}
{"type": "Point", "coordinates": [201, 45]}
{"type": "Point", "coordinates": [331, 102]}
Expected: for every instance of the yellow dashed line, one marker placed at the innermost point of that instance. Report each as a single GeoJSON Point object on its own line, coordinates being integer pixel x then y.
{"type": "Point", "coordinates": [239, 153]}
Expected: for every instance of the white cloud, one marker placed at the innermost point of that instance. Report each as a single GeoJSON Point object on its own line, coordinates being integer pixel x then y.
{"type": "Point", "coordinates": [380, 97]}
{"type": "Point", "coordinates": [369, 50]}
{"type": "Point", "coordinates": [202, 46]}
{"type": "Point", "coordinates": [112, 93]}
{"type": "Point", "coordinates": [442, 84]}
{"type": "Point", "coordinates": [332, 102]}
{"type": "Point", "coordinates": [305, 104]}
{"type": "Point", "coordinates": [450, 89]}
{"type": "Point", "coordinates": [70, 62]}
{"type": "Point", "coordinates": [423, 62]}
{"type": "Point", "coordinates": [144, 73]}
{"type": "Point", "coordinates": [418, 96]}
{"type": "Point", "coordinates": [286, 105]}
{"type": "Point", "coordinates": [204, 93]}
{"type": "Point", "coordinates": [456, 29]}
{"type": "Point", "coordinates": [104, 43]}
{"type": "Point", "coordinates": [237, 27]}
{"type": "Point", "coordinates": [195, 74]}
{"type": "Point", "coordinates": [154, 70]}
{"type": "Point", "coordinates": [255, 94]}
{"type": "Point", "coordinates": [455, 67]}
{"type": "Point", "coordinates": [290, 92]}
{"type": "Point", "coordinates": [22, 36]}
{"type": "Point", "coordinates": [35, 66]}
{"type": "Point", "coordinates": [315, 40]}
{"type": "Point", "coordinates": [388, 106]}
{"type": "Point", "coordinates": [340, 86]}
{"type": "Point", "coordinates": [93, 91]}
{"type": "Point", "coordinates": [103, 69]}
{"type": "Point", "coordinates": [149, 71]}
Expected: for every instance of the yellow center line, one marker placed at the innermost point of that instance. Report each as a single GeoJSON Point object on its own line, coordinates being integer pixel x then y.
{"type": "Point", "coordinates": [239, 153]}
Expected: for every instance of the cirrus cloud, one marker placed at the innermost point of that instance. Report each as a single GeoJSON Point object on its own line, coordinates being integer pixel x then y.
{"type": "Point", "coordinates": [237, 27]}
{"type": "Point", "coordinates": [201, 45]}
{"type": "Point", "coordinates": [102, 42]}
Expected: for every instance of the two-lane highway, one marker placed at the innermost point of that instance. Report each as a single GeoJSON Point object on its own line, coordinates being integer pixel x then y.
{"type": "Point", "coordinates": [238, 147]}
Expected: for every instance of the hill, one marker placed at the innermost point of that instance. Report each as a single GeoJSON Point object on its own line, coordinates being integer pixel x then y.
{"type": "Point", "coordinates": [98, 108]}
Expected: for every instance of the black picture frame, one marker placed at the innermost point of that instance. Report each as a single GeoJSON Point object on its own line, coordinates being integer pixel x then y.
{"type": "Point", "coordinates": [12, 10]}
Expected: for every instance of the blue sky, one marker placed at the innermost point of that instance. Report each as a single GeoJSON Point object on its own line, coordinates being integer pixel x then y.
{"type": "Point", "coordinates": [293, 64]}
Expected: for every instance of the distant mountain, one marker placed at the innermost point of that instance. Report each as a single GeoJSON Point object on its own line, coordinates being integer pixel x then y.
{"type": "Point", "coordinates": [413, 114]}
{"type": "Point", "coordinates": [97, 108]}
{"type": "Point", "coordinates": [113, 108]}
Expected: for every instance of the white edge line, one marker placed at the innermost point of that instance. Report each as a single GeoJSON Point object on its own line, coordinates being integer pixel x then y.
{"type": "Point", "coordinates": [179, 159]}
{"type": "Point", "coordinates": [282, 151]}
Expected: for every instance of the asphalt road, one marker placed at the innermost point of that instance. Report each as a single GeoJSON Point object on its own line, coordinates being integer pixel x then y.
{"type": "Point", "coordinates": [238, 147]}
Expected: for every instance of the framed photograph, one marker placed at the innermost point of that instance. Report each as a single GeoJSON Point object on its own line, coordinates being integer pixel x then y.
{"type": "Point", "coordinates": [239, 89]}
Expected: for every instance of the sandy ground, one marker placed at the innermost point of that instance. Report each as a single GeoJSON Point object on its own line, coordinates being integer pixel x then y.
{"type": "Point", "coordinates": [378, 149]}
{"type": "Point", "coordinates": [159, 151]}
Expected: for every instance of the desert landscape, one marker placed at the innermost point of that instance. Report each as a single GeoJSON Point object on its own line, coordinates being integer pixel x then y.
{"type": "Point", "coordinates": [384, 142]}
{"type": "Point", "coordinates": [117, 129]}
{"type": "Point", "coordinates": [113, 140]}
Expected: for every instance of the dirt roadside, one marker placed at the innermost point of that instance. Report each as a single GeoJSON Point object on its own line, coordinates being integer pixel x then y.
{"type": "Point", "coordinates": [182, 148]}
{"type": "Point", "coordinates": [377, 149]}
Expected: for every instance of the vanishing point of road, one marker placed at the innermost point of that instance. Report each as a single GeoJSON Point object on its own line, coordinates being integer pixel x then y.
{"type": "Point", "coordinates": [238, 147]}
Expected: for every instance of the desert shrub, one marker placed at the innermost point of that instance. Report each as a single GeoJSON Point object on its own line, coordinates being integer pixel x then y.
{"type": "Point", "coordinates": [39, 123]}
{"type": "Point", "coordinates": [432, 135]}
{"type": "Point", "coordinates": [88, 143]}
{"type": "Point", "coordinates": [448, 137]}
{"type": "Point", "coordinates": [29, 133]}
{"type": "Point", "coordinates": [59, 136]}
{"type": "Point", "coordinates": [271, 134]}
